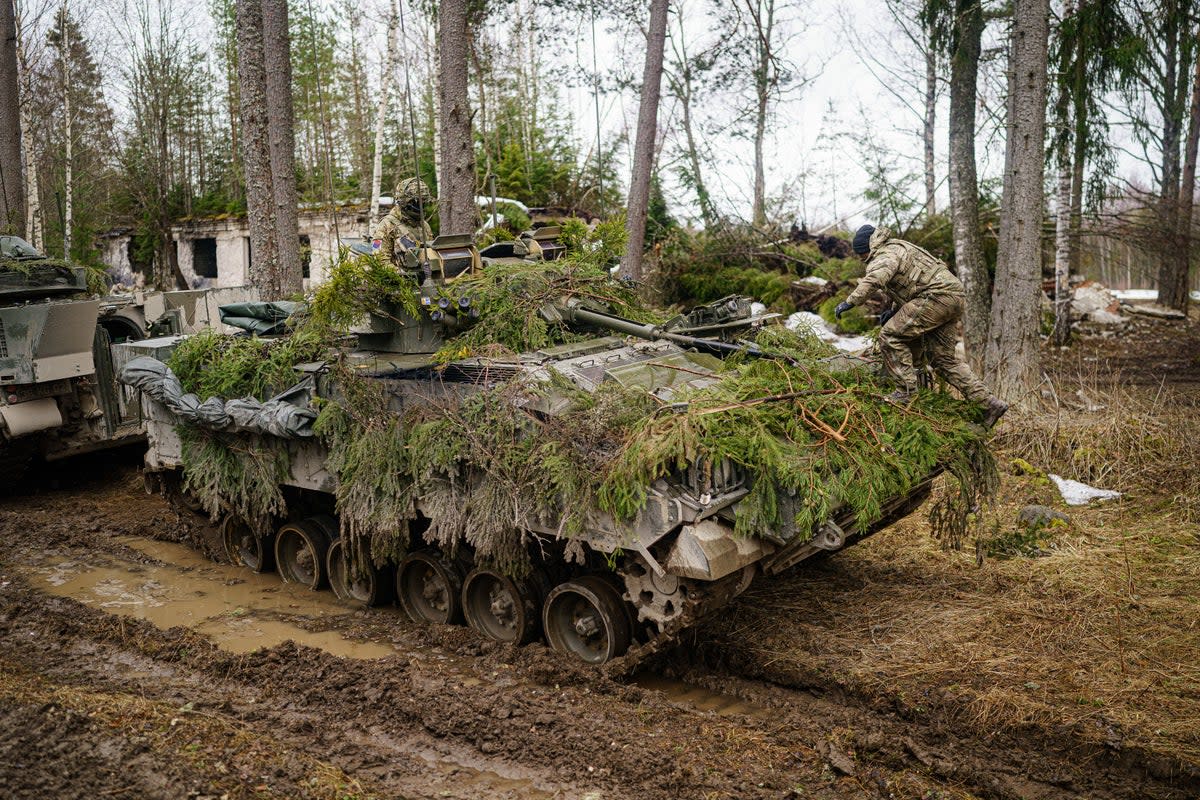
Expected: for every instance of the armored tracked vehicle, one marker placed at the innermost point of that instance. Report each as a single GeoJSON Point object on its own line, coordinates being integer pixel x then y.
{"type": "Point", "coordinates": [58, 392]}
{"type": "Point", "coordinates": [592, 592]}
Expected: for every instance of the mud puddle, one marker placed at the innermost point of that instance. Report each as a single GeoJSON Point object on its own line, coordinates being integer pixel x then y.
{"type": "Point", "coordinates": [239, 610]}
{"type": "Point", "coordinates": [698, 698]}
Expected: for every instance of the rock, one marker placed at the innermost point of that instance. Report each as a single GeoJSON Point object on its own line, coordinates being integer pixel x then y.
{"type": "Point", "coordinates": [1093, 302]}
{"type": "Point", "coordinates": [1041, 517]}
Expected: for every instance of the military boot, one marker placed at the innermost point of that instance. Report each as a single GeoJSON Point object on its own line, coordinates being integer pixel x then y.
{"type": "Point", "coordinates": [993, 410]}
{"type": "Point", "coordinates": [901, 397]}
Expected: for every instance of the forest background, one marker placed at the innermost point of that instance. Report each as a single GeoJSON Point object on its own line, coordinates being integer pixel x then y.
{"type": "Point", "coordinates": [772, 112]}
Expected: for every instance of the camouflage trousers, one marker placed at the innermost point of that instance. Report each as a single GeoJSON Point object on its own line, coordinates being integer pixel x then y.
{"type": "Point", "coordinates": [926, 325]}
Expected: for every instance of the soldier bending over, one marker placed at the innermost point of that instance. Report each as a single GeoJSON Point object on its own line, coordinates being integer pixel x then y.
{"type": "Point", "coordinates": [927, 302]}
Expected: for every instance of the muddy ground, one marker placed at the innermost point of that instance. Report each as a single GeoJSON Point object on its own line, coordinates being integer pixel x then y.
{"type": "Point", "coordinates": [128, 669]}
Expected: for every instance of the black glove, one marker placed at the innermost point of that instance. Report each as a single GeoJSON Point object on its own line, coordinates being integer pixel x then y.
{"type": "Point", "coordinates": [842, 308]}
{"type": "Point", "coordinates": [885, 315]}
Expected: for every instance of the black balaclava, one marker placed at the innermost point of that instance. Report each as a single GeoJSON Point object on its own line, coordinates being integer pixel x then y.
{"type": "Point", "coordinates": [862, 239]}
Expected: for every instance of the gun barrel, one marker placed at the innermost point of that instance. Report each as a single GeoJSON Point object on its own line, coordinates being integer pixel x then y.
{"type": "Point", "coordinates": [644, 331]}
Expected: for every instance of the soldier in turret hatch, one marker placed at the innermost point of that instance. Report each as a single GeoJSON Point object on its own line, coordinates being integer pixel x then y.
{"type": "Point", "coordinates": [404, 227]}
{"type": "Point", "coordinates": [927, 301]}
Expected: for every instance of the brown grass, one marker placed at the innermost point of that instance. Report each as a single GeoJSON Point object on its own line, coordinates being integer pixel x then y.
{"type": "Point", "coordinates": [1101, 634]}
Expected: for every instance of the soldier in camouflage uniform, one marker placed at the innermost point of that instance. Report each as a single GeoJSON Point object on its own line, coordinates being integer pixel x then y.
{"type": "Point", "coordinates": [927, 302]}
{"type": "Point", "coordinates": [405, 227]}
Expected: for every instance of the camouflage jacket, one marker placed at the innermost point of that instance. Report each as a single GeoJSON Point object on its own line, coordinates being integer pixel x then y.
{"type": "Point", "coordinates": [902, 271]}
{"type": "Point", "coordinates": [396, 229]}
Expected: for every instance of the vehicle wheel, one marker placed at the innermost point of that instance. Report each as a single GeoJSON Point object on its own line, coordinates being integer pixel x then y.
{"type": "Point", "coordinates": [368, 586]}
{"type": "Point", "coordinates": [300, 549]}
{"type": "Point", "coordinates": [429, 587]}
{"type": "Point", "coordinates": [243, 547]}
{"type": "Point", "coordinates": [499, 607]}
{"type": "Point", "coordinates": [586, 617]}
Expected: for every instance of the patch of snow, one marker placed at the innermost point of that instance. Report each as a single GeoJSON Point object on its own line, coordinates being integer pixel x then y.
{"type": "Point", "coordinates": [817, 326]}
{"type": "Point", "coordinates": [1135, 294]}
{"type": "Point", "coordinates": [757, 308]}
{"type": "Point", "coordinates": [851, 344]}
{"type": "Point", "coordinates": [813, 323]}
{"type": "Point", "coordinates": [813, 279]}
{"type": "Point", "coordinates": [1143, 294]}
{"type": "Point", "coordinates": [1080, 494]}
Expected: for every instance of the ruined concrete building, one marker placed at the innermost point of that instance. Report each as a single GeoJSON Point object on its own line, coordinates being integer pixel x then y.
{"type": "Point", "coordinates": [215, 251]}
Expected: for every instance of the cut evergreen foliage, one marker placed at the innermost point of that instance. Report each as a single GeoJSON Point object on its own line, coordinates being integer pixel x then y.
{"type": "Point", "coordinates": [213, 364]}
{"type": "Point", "coordinates": [510, 299]}
{"type": "Point", "coordinates": [358, 284]}
{"type": "Point", "coordinates": [236, 474]}
{"type": "Point", "coordinates": [813, 436]}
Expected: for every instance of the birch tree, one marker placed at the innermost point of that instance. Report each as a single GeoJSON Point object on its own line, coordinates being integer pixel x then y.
{"type": "Point", "coordinates": [385, 87]}
{"type": "Point", "coordinates": [1012, 356]}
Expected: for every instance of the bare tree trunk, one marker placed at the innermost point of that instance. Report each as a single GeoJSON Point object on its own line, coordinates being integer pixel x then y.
{"type": "Point", "coordinates": [1079, 92]}
{"type": "Point", "coordinates": [456, 180]}
{"type": "Point", "coordinates": [681, 86]}
{"type": "Point", "coordinates": [68, 141]}
{"type": "Point", "coordinates": [12, 189]}
{"type": "Point", "coordinates": [277, 62]}
{"type": "Point", "coordinates": [1187, 192]}
{"type": "Point", "coordinates": [385, 83]}
{"type": "Point", "coordinates": [964, 187]}
{"type": "Point", "coordinates": [34, 231]}
{"type": "Point", "coordinates": [256, 149]}
{"type": "Point", "coordinates": [929, 130]}
{"type": "Point", "coordinates": [1013, 341]}
{"type": "Point", "coordinates": [762, 91]}
{"type": "Point", "coordinates": [1062, 260]}
{"type": "Point", "coordinates": [34, 228]}
{"type": "Point", "coordinates": [644, 145]}
{"type": "Point", "coordinates": [1172, 286]}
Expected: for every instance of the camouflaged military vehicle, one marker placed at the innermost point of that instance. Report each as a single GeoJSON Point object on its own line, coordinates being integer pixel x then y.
{"type": "Point", "coordinates": [58, 393]}
{"type": "Point", "coordinates": [616, 583]}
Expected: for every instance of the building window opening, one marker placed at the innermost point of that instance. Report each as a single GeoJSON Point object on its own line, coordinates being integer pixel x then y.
{"type": "Point", "coordinates": [137, 262]}
{"type": "Point", "coordinates": [204, 257]}
{"type": "Point", "coordinates": [305, 256]}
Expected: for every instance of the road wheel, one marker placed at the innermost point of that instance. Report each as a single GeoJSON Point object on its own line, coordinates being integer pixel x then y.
{"type": "Point", "coordinates": [300, 550]}
{"type": "Point", "coordinates": [363, 583]}
{"type": "Point", "coordinates": [244, 547]}
{"type": "Point", "coordinates": [586, 617]}
{"type": "Point", "coordinates": [499, 607]}
{"type": "Point", "coordinates": [429, 587]}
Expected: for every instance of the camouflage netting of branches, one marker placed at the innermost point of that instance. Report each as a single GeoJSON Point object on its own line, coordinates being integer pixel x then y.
{"type": "Point", "coordinates": [815, 438]}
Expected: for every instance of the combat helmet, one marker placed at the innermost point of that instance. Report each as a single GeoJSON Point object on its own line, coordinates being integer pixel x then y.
{"type": "Point", "coordinates": [412, 190]}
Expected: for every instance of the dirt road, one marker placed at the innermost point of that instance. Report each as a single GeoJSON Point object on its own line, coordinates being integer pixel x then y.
{"type": "Point", "coordinates": [102, 697]}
